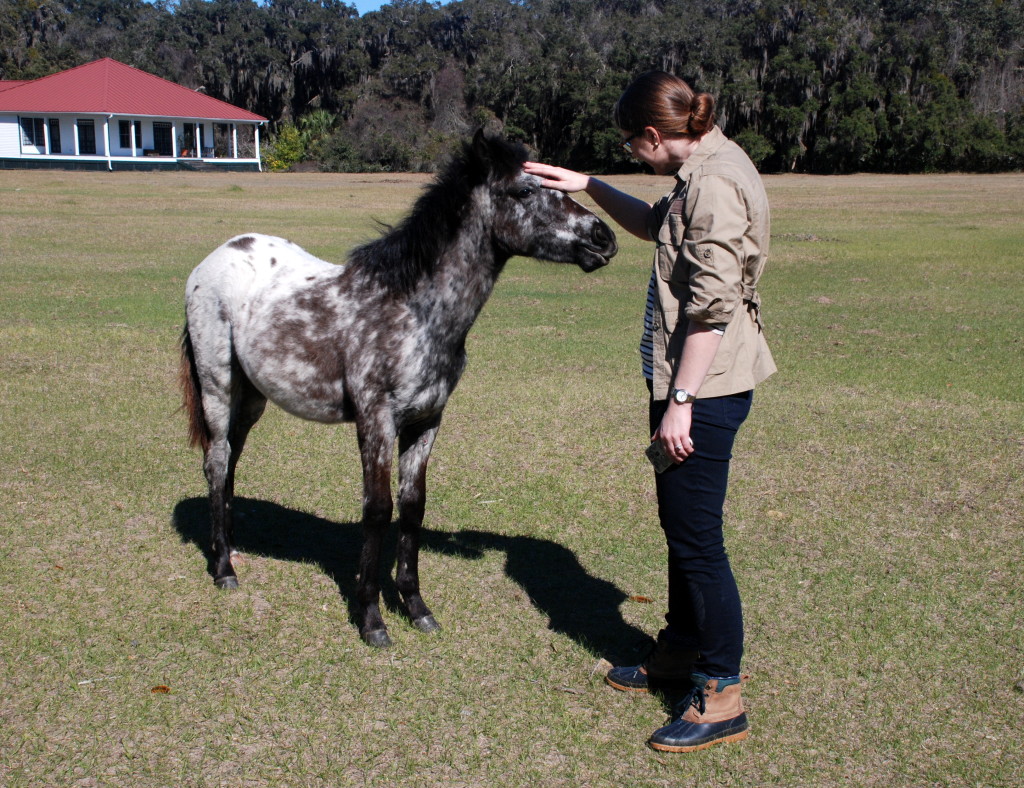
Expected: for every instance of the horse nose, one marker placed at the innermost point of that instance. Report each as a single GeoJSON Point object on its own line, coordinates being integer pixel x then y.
{"type": "Point", "coordinates": [602, 236]}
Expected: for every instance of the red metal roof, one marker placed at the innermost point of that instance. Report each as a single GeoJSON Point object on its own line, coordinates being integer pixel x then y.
{"type": "Point", "coordinates": [108, 87]}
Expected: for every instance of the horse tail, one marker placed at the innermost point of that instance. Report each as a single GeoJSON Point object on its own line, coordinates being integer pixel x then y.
{"type": "Point", "coordinates": [192, 394]}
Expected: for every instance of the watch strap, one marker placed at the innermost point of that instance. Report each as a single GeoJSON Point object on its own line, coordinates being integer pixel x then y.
{"type": "Point", "coordinates": [685, 398]}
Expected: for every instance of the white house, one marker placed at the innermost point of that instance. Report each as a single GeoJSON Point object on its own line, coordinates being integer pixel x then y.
{"type": "Point", "coordinates": [106, 115]}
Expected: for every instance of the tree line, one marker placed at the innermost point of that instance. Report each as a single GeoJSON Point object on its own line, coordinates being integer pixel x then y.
{"type": "Point", "coordinates": [819, 86]}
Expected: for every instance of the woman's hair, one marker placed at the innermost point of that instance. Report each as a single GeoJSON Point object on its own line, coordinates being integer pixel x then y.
{"type": "Point", "coordinates": [665, 102]}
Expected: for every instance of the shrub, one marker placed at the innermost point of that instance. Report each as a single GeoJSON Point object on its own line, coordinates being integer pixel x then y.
{"type": "Point", "coordinates": [287, 149]}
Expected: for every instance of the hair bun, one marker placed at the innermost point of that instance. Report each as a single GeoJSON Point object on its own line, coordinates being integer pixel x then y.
{"type": "Point", "coordinates": [667, 103]}
{"type": "Point", "coordinates": [702, 113]}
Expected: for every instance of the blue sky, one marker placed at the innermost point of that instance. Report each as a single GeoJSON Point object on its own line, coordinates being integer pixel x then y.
{"type": "Point", "coordinates": [362, 6]}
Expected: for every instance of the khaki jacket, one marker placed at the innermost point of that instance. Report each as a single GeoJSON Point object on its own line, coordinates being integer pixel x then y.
{"type": "Point", "coordinates": [711, 234]}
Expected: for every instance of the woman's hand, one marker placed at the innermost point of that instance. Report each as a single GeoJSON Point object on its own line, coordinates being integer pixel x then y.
{"type": "Point", "coordinates": [699, 350]}
{"type": "Point", "coordinates": [674, 431]}
{"type": "Point", "coordinates": [557, 177]}
{"type": "Point", "coordinates": [628, 211]}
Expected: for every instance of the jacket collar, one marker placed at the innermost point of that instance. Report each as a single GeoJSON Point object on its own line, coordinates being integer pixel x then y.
{"type": "Point", "coordinates": [712, 141]}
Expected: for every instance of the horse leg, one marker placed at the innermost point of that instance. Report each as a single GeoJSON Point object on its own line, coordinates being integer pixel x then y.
{"type": "Point", "coordinates": [414, 445]}
{"type": "Point", "coordinates": [247, 405]}
{"type": "Point", "coordinates": [231, 406]}
{"type": "Point", "coordinates": [247, 408]}
{"type": "Point", "coordinates": [376, 443]}
{"type": "Point", "coordinates": [217, 468]}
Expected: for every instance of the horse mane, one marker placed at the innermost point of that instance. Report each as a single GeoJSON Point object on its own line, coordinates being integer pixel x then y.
{"type": "Point", "coordinates": [406, 253]}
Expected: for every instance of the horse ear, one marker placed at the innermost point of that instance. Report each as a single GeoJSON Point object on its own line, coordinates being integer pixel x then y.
{"type": "Point", "coordinates": [482, 148]}
{"type": "Point", "coordinates": [495, 155]}
{"type": "Point", "coordinates": [481, 160]}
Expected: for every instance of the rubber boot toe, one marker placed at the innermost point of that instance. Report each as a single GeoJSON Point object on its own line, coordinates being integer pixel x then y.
{"type": "Point", "coordinates": [628, 678]}
{"type": "Point", "coordinates": [684, 736]}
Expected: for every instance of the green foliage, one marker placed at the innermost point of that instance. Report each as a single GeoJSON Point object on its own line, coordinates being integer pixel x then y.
{"type": "Point", "coordinates": [315, 126]}
{"type": "Point", "coordinates": [831, 86]}
{"type": "Point", "coordinates": [756, 146]}
{"type": "Point", "coordinates": [1015, 137]}
{"type": "Point", "coordinates": [287, 149]}
{"type": "Point", "coordinates": [315, 129]}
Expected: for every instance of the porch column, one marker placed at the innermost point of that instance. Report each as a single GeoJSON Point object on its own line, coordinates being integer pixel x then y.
{"type": "Point", "coordinates": [131, 133]}
{"type": "Point", "coordinates": [106, 141]}
{"type": "Point", "coordinates": [46, 136]}
{"type": "Point", "coordinates": [234, 140]}
{"type": "Point", "coordinates": [256, 138]}
{"type": "Point", "coordinates": [174, 138]}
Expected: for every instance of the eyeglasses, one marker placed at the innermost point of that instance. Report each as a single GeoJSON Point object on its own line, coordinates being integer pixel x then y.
{"type": "Point", "coordinates": [627, 144]}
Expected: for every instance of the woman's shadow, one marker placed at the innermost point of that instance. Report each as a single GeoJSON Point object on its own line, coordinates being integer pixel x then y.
{"type": "Point", "coordinates": [577, 604]}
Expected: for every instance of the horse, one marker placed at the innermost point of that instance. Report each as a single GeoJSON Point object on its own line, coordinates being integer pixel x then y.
{"type": "Point", "coordinates": [379, 341]}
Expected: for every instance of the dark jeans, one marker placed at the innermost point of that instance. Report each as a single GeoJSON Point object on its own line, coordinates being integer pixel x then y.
{"type": "Point", "coordinates": [704, 610]}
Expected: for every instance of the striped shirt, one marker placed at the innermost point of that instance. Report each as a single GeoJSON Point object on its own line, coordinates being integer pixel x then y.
{"type": "Point", "coordinates": [647, 338]}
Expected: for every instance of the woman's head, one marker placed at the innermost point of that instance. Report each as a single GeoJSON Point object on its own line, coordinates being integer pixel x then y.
{"type": "Point", "coordinates": [666, 103]}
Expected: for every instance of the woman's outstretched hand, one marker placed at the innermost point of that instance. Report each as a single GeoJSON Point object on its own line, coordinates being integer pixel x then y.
{"type": "Point", "coordinates": [557, 177]}
{"type": "Point", "coordinates": [631, 213]}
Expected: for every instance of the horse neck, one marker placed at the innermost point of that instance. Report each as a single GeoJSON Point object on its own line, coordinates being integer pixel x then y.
{"type": "Point", "coordinates": [462, 281]}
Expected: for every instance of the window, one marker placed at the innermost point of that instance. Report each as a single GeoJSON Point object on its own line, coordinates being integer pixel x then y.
{"type": "Point", "coordinates": [54, 135]}
{"type": "Point", "coordinates": [86, 137]}
{"type": "Point", "coordinates": [32, 132]}
{"type": "Point", "coordinates": [125, 133]}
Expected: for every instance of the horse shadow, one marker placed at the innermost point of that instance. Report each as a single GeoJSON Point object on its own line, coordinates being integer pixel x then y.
{"type": "Point", "coordinates": [578, 604]}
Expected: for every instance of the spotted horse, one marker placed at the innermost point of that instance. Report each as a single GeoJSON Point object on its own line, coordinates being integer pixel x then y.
{"type": "Point", "coordinates": [379, 341]}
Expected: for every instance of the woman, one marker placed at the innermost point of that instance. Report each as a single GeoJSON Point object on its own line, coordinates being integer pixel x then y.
{"type": "Point", "coordinates": [703, 352]}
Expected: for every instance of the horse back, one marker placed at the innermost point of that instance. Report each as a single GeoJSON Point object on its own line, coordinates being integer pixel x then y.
{"type": "Point", "coordinates": [258, 303]}
{"type": "Point", "coordinates": [240, 269]}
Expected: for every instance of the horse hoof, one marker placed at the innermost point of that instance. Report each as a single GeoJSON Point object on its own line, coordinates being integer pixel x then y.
{"type": "Point", "coordinates": [228, 583]}
{"type": "Point", "coordinates": [426, 624]}
{"type": "Point", "coordinates": [378, 638]}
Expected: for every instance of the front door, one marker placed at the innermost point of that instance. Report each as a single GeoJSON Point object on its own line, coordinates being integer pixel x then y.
{"type": "Point", "coordinates": [54, 135]}
{"type": "Point", "coordinates": [162, 139]}
{"type": "Point", "coordinates": [86, 137]}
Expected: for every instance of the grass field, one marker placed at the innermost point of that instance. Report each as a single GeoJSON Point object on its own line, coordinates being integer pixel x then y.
{"type": "Point", "coordinates": [874, 518]}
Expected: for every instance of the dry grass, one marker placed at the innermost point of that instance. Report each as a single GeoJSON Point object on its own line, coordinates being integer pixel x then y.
{"type": "Point", "coordinates": [874, 519]}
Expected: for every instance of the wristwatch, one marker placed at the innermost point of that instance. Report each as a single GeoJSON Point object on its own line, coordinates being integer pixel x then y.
{"type": "Point", "coordinates": [682, 396]}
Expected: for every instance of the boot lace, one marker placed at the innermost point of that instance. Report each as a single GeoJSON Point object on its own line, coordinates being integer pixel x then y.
{"type": "Point", "coordinates": [695, 697]}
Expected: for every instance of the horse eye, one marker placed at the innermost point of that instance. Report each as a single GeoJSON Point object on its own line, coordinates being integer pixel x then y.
{"type": "Point", "coordinates": [523, 193]}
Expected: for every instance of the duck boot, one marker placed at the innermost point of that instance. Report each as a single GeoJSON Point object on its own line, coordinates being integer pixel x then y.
{"type": "Point", "coordinates": [667, 667]}
{"type": "Point", "coordinates": [710, 714]}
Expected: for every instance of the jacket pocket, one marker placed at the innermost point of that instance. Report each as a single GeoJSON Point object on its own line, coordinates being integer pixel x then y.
{"type": "Point", "coordinates": [672, 263]}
